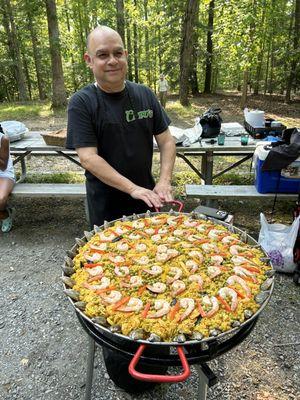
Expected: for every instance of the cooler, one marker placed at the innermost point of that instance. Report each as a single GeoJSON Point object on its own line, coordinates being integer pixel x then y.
{"type": "Point", "coordinates": [284, 181]}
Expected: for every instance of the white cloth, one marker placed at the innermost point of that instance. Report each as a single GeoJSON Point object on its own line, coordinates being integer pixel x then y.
{"type": "Point", "coordinates": [163, 85]}
{"type": "Point", "coordinates": [9, 171]}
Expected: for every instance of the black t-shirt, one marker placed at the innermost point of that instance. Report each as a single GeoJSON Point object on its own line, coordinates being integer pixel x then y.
{"type": "Point", "coordinates": [121, 126]}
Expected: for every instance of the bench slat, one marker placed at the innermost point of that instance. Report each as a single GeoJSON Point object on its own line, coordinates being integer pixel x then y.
{"type": "Point", "coordinates": [49, 189]}
{"type": "Point", "coordinates": [240, 191]}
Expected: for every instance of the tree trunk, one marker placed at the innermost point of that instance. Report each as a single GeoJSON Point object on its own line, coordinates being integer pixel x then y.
{"type": "Point", "coordinates": [75, 84]}
{"type": "Point", "coordinates": [296, 57]}
{"type": "Point", "coordinates": [244, 92]}
{"type": "Point", "coordinates": [194, 58]}
{"type": "Point", "coordinates": [59, 97]}
{"type": "Point", "coordinates": [260, 56]}
{"type": "Point", "coordinates": [147, 53]}
{"type": "Point", "coordinates": [129, 49]}
{"type": "Point", "coordinates": [135, 49]}
{"type": "Point", "coordinates": [209, 48]}
{"type": "Point", "coordinates": [14, 49]}
{"type": "Point", "coordinates": [120, 19]}
{"type": "Point", "coordinates": [186, 50]}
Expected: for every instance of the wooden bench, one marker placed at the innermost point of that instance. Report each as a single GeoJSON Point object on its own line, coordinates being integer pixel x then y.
{"type": "Point", "coordinates": [67, 190]}
{"type": "Point", "coordinates": [228, 191]}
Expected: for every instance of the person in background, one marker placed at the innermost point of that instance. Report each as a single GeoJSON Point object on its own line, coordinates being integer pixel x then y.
{"type": "Point", "coordinates": [111, 124]}
{"type": "Point", "coordinates": [7, 181]}
{"type": "Point", "coordinates": [163, 88]}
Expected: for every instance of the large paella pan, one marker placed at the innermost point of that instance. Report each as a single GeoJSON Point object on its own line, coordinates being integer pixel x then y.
{"type": "Point", "coordinates": [167, 278]}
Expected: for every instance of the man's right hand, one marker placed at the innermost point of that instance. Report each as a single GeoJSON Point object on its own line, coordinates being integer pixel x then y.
{"type": "Point", "coordinates": [148, 196]}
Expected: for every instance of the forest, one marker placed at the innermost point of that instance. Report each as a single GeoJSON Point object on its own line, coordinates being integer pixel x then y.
{"type": "Point", "coordinates": [202, 46]}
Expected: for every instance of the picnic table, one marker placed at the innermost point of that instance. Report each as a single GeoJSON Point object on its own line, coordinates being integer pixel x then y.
{"type": "Point", "coordinates": [207, 150]}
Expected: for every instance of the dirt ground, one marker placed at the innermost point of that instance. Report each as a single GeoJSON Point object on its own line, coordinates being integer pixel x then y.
{"type": "Point", "coordinates": [44, 349]}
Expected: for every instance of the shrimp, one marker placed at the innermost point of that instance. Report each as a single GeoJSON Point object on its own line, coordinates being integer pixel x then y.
{"type": "Point", "coordinates": [161, 257]}
{"type": "Point", "coordinates": [196, 278]}
{"type": "Point", "coordinates": [201, 228]}
{"type": "Point", "coordinates": [156, 238]}
{"type": "Point", "coordinates": [189, 305]}
{"type": "Point", "coordinates": [154, 270]}
{"type": "Point", "coordinates": [94, 258]}
{"type": "Point", "coordinates": [134, 281]}
{"type": "Point", "coordinates": [95, 270]}
{"type": "Point", "coordinates": [116, 259]}
{"type": "Point", "coordinates": [215, 233]}
{"type": "Point", "coordinates": [236, 279]}
{"type": "Point", "coordinates": [172, 239]}
{"type": "Point", "coordinates": [211, 302]}
{"type": "Point", "coordinates": [229, 239]}
{"type": "Point", "coordinates": [157, 287]}
{"type": "Point", "coordinates": [213, 271]}
{"type": "Point", "coordinates": [176, 274]}
{"type": "Point", "coordinates": [238, 260]}
{"type": "Point", "coordinates": [122, 246]}
{"type": "Point", "coordinates": [105, 282]}
{"type": "Point", "coordinates": [162, 248]}
{"type": "Point", "coordinates": [162, 231]}
{"type": "Point", "coordinates": [177, 287]}
{"type": "Point", "coordinates": [150, 231]}
{"type": "Point", "coordinates": [141, 247]}
{"type": "Point", "coordinates": [172, 221]}
{"type": "Point", "coordinates": [162, 307]}
{"type": "Point", "coordinates": [192, 265]}
{"type": "Point", "coordinates": [210, 247]}
{"type": "Point", "coordinates": [236, 249]}
{"type": "Point", "coordinates": [217, 260]}
{"type": "Point", "coordinates": [186, 245]}
{"type": "Point", "coordinates": [227, 292]}
{"type": "Point", "coordinates": [101, 247]}
{"type": "Point", "coordinates": [106, 236]}
{"type": "Point", "coordinates": [243, 272]}
{"type": "Point", "coordinates": [178, 232]}
{"type": "Point", "coordinates": [192, 238]}
{"type": "Point", "coordinates": [113, 297]}
{"type": "Point", "coordinates": [172, 253]}
{"type": "Point", "coordinates": [138, 224]}
{"type": "Point", "coordinates": [196, 254]}
{"type": "Point", "coordinates": [144, 260]}
{"type": "Point", "coordinates": [134, 304]}
{"type": "Point", "coordinates": [120, 230]}
{"type": "Point", "coordinates": [190, 223]}
{"type": "Point", "coordinates": [121, 271]}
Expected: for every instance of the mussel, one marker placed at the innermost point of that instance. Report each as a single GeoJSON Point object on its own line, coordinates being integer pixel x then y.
{"type": "Point", "coordinates": [115, 328]}
{"type": "Point", "coordinates": [248, 314]}
{"type": "Point", "coordinates": [69, 262]}
{"type": "Point", "coordinates": [80, 242]}
{"type": "Point", "coordinates": [68, 271]}
{"type": "Point", "coordinates": [88, 235]}
{"type": "Point", "coordinates": [100, 321]}
{"type": "Point", "coordinates": [197, 336]}
{"type": "Point", "coordinates": [214, 332]}
{"type": "Point", "coordinates": [261, 297]}
{"type": "Point", "coordinates": [154, 338]}
{"type": "Point", "coordinates": [236, 324]}
{"type": "Point", "coordinates": [80, 305]}
{"type": "Point", "coordinates": [137, 334]}
{"type": "Point", "coordinates": [73, 294]}
{"type": "Point", "coordinates": [68, 281]}
{"type": "Point", "coordinates": [180, 338]}
{"type": "Point", "coordinates": [266, 284]}
{"type": "Point", "coordinates": [71, 253]}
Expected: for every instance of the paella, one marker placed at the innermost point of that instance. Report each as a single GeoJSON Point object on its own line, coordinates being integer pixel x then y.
{"type": "Point", "coordinates": [167, 277]}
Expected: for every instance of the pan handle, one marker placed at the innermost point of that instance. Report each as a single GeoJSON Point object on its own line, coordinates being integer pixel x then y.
{"type": "Point", "coordinates": [159, 378]}
{"type": "Point", "coordinates": [177, 202]}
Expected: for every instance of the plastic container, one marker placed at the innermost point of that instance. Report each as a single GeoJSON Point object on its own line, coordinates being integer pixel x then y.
{"type": "Point", "coordinates": [283, 181]}
{"type": "Point", "coordinates": [260, 133]}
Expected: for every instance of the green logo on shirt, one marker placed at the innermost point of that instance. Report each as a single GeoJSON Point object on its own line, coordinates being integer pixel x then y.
{"type": "Point", "coordinates": [141, 114]}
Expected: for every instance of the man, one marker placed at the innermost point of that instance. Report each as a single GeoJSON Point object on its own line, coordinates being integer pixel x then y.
{"type": "Point", "coordinates": [163, 90]}
{"type": "Point", "coordinates": [111, 124]}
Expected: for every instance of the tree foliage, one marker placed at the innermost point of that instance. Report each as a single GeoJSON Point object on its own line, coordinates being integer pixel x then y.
{"type": "Point", "coordinates": [256, 39]}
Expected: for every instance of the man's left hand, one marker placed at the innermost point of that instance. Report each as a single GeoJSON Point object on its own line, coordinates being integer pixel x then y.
{"type": "Point", "coordinates": [164, 191]}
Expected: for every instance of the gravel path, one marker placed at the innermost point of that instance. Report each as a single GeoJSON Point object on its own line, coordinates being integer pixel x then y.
{"type": "Point", "coordinates": [43, 348]}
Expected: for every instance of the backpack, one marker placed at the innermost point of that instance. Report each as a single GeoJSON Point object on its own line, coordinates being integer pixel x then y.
{"type": "Point", "coordinates": [211, 123]}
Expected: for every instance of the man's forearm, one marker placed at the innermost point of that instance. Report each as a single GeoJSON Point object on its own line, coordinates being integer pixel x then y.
{"type": "Point", "coordinates": [107, 174]}
{"type": "Point", "coordinates": [167, 160]}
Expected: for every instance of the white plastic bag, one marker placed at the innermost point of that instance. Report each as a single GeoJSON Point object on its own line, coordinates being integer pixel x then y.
{"type": "Point", "coordinates": [278, 241]}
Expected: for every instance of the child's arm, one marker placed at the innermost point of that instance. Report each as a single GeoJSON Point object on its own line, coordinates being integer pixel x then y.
{"type": "Point", "coordinates": [4, 153]}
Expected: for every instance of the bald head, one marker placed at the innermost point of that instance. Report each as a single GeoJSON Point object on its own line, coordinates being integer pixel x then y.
{"type": "Point", "coordinates": [100, 33]}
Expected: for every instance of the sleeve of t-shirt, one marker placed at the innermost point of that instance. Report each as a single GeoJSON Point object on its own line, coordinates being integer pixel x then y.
{"type": "Point", "coordinates": [80, 130]}
{"type": "Point", "coordinates": [161, 121]}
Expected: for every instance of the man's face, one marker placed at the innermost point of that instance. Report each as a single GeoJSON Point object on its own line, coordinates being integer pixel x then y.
{"type": "Point", "coordinates": [108, 60]}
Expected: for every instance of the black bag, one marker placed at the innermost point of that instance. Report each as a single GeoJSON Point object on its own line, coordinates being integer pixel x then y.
{"type": "Point", "coordinates": [211, 123]}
